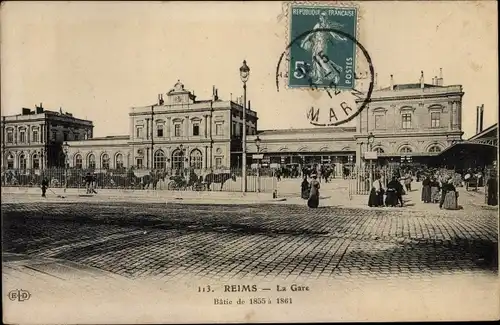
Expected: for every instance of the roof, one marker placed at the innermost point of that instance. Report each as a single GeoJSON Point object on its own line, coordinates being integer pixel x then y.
{"type": "Point", "coordinates": [411, 86]}
{"type": "Point", "coordinates": [111, 137]}
{"type": "Point", "coordinates": [308, 130]}
{"type": "Point", "coordinates": [491, 129]}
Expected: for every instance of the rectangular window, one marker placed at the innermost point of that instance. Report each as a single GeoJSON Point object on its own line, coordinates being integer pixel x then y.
{"type": "Point", "coordinates": [241, 130]}
{"type": "Point", "coordinates": [379, 122]}
{"type": "Point", "coordinates": [196, 129]}
{"type": "Point", "coordinates": [218, 129]}
{"type": "Point", "coordinates": [218, 162]}
{"type": "Point", "coordinates": [435, 119]}
{"type": "Point", "coordinates": [138, 132]}
{"type": "Point", "coordinates": [406, 119]}
{"type": "Point", "coordinates": [65, 134]}
{"type": "Point", "coordinates": [139, 163]}
{"type": "Point", "coordinates": [22, 137]}
{"type": "Point", "coordinates": [233, 131]}
{"type": "Point", "coordinates": [159, 131]}
{"type": "Point", "coordinates": [10, 136]}
{"type": "Point", "coordinates": [177, 130]}
{"type": "Point", "coordinates": [35, 135]}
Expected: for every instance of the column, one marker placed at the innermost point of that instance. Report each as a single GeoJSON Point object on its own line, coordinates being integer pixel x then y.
{"type": "Point", "coordinates": [16, 132]}
{"type": "Point", "coordinates": [147, 129]}
{"type": "Point", "coordinates": [28, 134]}
{"type": "Point", "coordinates": [146, 162]}
{"type": "Point", "coordinates": [131, 128]}
{"type": "Point", "coordinates": [186, 126]}
{"type": "Point", "coordinates": [459, 114]}
{"type": "Point", "coordinates": [455, 115]}
{"type": "Point", "coordinates": [168, 134]}
{"type": "Point", "coordinates": [359, 154]}
{"type": "Point", "coordinates": [205, 156]}
{"type": "Point", "coordinates": [205, 118]}
{"type": "Point", "coordinates": [28, 159]}
{"type": "Point", "coordinates": [451, 116]}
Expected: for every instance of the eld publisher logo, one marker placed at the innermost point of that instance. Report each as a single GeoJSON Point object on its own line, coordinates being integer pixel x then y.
{"type": "Point", "coordinates": [19, 295]}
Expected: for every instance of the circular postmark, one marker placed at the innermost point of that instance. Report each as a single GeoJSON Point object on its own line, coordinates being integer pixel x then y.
{"type": "Point", "coordinates": [347, 92]}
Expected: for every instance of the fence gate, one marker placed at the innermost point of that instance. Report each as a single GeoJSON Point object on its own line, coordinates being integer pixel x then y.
{"type": "Point", "coordinates": [359, 177]}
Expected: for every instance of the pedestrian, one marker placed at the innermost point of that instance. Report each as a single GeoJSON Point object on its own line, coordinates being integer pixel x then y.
{"type": "Point", "coordinates": [313, 201]}
{"type": "Point", "coordinates": [492, 191]}
{"type": "Point", "coordinates": [391, 198]}
{"type": "Point", "coordinates": [407, 181]}
{"type": "Point", "coordinates": [88, 183]}
{"type": "Point", "coordinates": [426, 190]}
{"type": "Point", "coordinates": [434, 190]}
{"type": "Point", "coordinates": [450, 197]}
{"type": "Point", "coordinates": [304, 189]}
{"type": "Point", "coordinates": [376, 196]}
{"type": "Point", "coordinates": [45, 185]}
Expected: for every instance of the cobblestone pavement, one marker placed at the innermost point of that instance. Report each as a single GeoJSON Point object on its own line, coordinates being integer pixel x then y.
{"type": "Point", "coordinates": [174, 241]}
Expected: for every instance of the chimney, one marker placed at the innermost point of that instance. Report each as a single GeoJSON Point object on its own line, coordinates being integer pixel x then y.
{"type": "Point", "coordinates": [422, 85]}
{"type": "Point", "coordinates": [440, 79]}
{"type": "Point", "coordinates": [249, 107]}
{"type": "Point", "coordinates": [477, 119]}
{"type": "Point", "coordinates": [216, 94]}
{"type": "Point", "coordinates": [213, 92]}
{"type": "Point", "coordinates": [481, 116]}
{"type": "Point", "coordinates": [392, 82]}
{"type": "Point", "coordinates": [231, 97]}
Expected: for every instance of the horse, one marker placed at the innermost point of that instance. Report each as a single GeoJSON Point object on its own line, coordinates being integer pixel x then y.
{"type": "Point", "coordinates": [218, 178]}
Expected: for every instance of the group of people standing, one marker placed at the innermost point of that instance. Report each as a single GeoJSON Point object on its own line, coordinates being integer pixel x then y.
{"type": "Point", "coordinates": [391, 196]}
{"type": "Point", "coordinates": [442, 191]}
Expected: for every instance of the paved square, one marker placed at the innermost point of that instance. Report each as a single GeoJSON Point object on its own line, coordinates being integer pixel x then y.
{"type": "Point", "coordinates": [173, 241]}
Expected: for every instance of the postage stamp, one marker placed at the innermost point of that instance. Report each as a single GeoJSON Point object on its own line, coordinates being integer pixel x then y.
{"type": "Point", "coordinates": [322, 54]}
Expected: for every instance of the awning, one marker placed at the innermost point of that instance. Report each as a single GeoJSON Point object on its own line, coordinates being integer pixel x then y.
{"type": "Point", "coordinates": [467, 150]}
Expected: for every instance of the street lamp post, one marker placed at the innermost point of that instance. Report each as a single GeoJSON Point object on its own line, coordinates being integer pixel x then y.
{"type": "Point", "coordinates": [257, 144]}
{"type": "Point", "coordinates": [371, 138]}
{"type": "Point", "coordinates": [65, 149]}
{"type": "Point", "coordinates": [244, 75]}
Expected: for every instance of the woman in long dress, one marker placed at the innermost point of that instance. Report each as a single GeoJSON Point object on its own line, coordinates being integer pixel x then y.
{"type": "Point", "coordinates": [376, 193]}
{"type": "Point", "coordinates": [304, 189]}
{"type": "Point", "coordinates": [492, 185]}
{"type": "Point", "coordinates": [313, 201]}
{"type": "Point", "coordinates": [450, 197]}
{"type": "Point", "coordinates": [426, 190]}
{"type": "Point", "coordinates": [434, 190]}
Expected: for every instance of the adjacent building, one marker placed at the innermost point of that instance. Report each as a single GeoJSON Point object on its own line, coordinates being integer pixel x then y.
{"type": "Point", "coordinates": [34, 138]}
{"type": "Point", "coordinates": [408, 122]}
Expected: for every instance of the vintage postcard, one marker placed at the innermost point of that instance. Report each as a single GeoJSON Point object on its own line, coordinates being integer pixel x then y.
{"type": "Point", "coordinates": [248, 162]}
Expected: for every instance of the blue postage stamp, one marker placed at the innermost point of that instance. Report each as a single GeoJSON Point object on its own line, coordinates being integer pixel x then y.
{"type": "Point", "coordinates": [323, 48]}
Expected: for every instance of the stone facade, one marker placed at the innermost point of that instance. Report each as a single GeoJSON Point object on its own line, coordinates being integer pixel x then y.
{"type": "Point", "coordinates": [178, 131]}
{"type": "Point", "coordinates": [407, 120]}
{"type": "Point", "coordinates": [33, 139]}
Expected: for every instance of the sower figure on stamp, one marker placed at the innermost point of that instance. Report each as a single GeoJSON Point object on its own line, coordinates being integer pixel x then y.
{"type": "Point", "coordinates": [313, 201]}
{"type": "Point", "coordinates": [317, 43]}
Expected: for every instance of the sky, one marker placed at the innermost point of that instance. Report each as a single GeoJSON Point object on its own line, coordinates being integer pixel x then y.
{"type": "Point", "coordinates": [98, 59]}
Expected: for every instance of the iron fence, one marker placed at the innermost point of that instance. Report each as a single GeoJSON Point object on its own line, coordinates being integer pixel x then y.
{"type": "Point", "coordinates": [229, 180]}
{"type": "Point", "coordinates": [359, 177]}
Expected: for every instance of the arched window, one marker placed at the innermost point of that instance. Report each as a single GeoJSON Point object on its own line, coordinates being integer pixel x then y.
{"type": "Point", "coordinates": [78, 161]}
{"type": "Point", "coordinates": [36, 162]}
{"type": "Point", "coordinates": [435, 149]}
{"type": "Point", "coordinates": [159, 160]}
{"type": "Point", "coordinates": [379, 150]}
{"type": "Point", "coordinates": [10, 161]}
{"type": "Point", "coordinates": [405, 150]}
{"type": "Point", "coordinates": [196, 159]}
{"type": "Point", "coordinates": [105, 161]}
{"type": "Point", "coordinates": [22, 161]}
{"type": "Point", "coordinates": [91, 161]}
{"type": "Point", "coordinates": [178, 159]}
{"type": "Point", "coordinates": [119, 161]}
